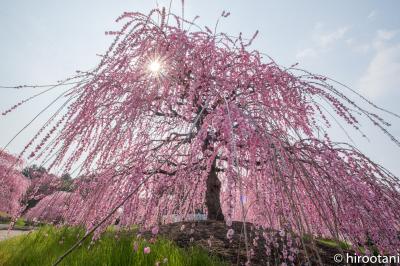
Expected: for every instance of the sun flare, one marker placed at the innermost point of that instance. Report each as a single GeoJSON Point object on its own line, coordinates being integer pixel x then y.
{"type": "Point", "coordinates": [155, 67]}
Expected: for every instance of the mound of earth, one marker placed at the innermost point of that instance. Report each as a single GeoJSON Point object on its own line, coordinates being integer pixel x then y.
{"type": "Point", "coordinates": [212, 236]}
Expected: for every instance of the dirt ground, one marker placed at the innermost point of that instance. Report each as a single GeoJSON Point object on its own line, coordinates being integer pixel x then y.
{"type": "Point", "coordinates": [4, 234]}
{"type": "Point", "coordinates": [212, 236]}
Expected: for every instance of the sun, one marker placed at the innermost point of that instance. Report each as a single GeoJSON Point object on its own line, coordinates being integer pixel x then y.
{"type": "Point", "coordinates": [155, 67]}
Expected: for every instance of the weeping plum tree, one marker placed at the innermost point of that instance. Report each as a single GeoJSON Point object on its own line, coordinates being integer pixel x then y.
{"type": "Point", "coordinates": [176, 118]}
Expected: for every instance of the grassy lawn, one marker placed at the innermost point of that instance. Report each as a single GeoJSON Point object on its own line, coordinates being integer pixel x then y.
{"type": "Point", "coordinates": [43, 246]}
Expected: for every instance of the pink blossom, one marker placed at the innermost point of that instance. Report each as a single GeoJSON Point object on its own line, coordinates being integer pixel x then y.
{"type": "Point", "coordinates": [230, 233]}
{"type": "Point", "coordinates": [229, 222]}
{"type": "Point", "coordinates": [146, 250]}
{"type": "Point", "coordinates": [155, 230]}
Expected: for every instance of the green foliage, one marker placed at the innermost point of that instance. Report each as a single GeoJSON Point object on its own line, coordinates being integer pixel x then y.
{"type": "Point", "coordinates": [33, 171]}
{"type": "Point", "coordinates": [67, 182]}
{"type": "Point", "coordinates": [20, 222]}
{"type": "Point", "coordinates": [42, 247]}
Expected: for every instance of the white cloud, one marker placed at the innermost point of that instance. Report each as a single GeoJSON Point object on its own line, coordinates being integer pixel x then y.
{"type": "Point", "coordinates": [383, 36]}
{"type": "Point", "coordinates": [357, 46]}
{"type": "Point", "coordinates": [322, 41]}
{"type": "Point", "coordinates": [382, 75]}
{"type": "Point", "coordinates": [308, 52]}
{"type": "Point", "coordinates": [363, 48]}
{"type": "Point", "coordinates": [386, 34]}
{"type": "Point", "coordinates": [350, 41]}
{"type": "Point", "coordinates": [372, 14]}
{"type": "Point", "coordinates": [319, 25]}
{"type": "Point", "coordinates": [327, 39]}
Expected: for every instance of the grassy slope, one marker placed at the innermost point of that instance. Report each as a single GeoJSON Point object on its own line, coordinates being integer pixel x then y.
{"type": "Point", "coordinates": [42, 247]}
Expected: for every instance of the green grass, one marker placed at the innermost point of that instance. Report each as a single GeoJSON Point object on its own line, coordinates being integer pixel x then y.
{"type": "Point", "coordinates": [5, 218]}
{"type": "Point", "coordinates": [328, 242]}
{"type": "Point", "coordinates": [43, 246]}
{"type": "Point", "coordinates": [20, 222]}
{"type": "Point", "coordinates": [334, 244]}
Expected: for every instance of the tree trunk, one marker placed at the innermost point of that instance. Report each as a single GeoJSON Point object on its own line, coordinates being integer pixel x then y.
{"type": "Point", "coordinates": [212, 195]}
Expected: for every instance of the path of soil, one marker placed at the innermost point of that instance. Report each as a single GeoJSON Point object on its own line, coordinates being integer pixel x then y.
{"type": "Point", "coordinates": [5, 233]}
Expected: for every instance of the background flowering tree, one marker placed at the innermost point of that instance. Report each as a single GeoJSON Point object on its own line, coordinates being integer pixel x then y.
{"type": "Point", "coordinates": [41, 185]}
{"type": "Point", "coordinates": [21, 189]}
{"type": "Point", "coordinates": [50, 208]}
{"type": "Point", "coordinates": [13, 183]}
{"type": "Point", "coordinates": [177, 119]}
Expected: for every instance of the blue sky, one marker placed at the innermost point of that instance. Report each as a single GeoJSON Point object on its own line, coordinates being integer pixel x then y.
{"type": "Point", "coordinates": [356, 42]}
